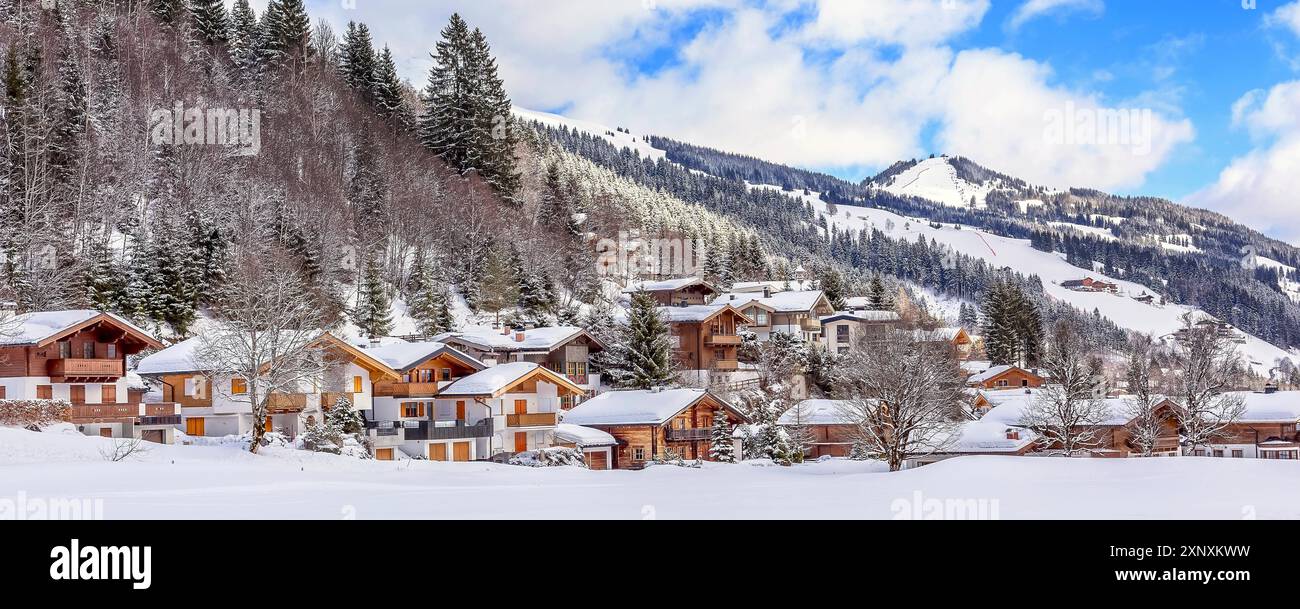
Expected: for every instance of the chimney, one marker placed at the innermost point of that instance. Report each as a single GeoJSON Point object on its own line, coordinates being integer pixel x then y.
{"type": "Point", "coordinates": [1013, 434]}
{"type": "Point", "coordinates": [519, 335]}
{"type": "Point", "coordinates": [767, 291]}
{"type": "Point", "coordinates": [374, 342]}
{"type": "Point", "coordinates": [733, 297]}
{"type": "Point", "coordinates": [505, 331]}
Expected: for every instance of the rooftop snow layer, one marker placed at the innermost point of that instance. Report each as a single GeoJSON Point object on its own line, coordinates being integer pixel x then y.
{"type": "Point", "coordinates": [638, 407]}
{"type": "Point", "coordinates": [400, 356]}
{"type": "Point", "coordinates": [662, 286]}
{"type": "Point", "coordinates": [779, 301]}
{"type": "Point", "coordinates": [583, 436]}
{"type": "Point", "coordinates": [491, 380]}
{"type": "Point", "coordinates": [535, 339]}
{"type": "Point", "coordinates": [31, 328]}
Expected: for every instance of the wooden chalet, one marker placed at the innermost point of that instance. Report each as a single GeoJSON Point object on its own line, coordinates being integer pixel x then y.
{"type": "Point", "coordinates": [648, 424]}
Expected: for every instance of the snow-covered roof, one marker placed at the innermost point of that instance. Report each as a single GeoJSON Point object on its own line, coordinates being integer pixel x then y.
{"type": "Point", "coordinates": [817, 412]}
{"type": "Point", "coordinates": [637, 407]}
{"type": "Point", "coordinates": [784, 302]}
{"type": "Point", "coordinates": [546, 338]}
{"type": "Point", "coordinates": [862, 316]}
{"type": "Point", "coordinates": [583, 436]}
{"type": "Point", "coordinates": [991, 374]}
{"type": "Point", "coordinates": [33, 328]}
{"type": "Point", "coordinates": [403, 356]}
{"type": "Point", "coordinates": [976, 365]}
{"type": "Point", "coordinates": [986, 436]}
{"type": "Point", "coordinates": [691, 313]}
{"type": "Point", "coordinates": [175, 359]}
{"type": "Point", "coordinates": [797, 285]}
{"type": "Point", "coordinates": [1280, 407]}
{"type": "Point", "coordinates": [498, 378]}
{"type": "Point", "coordinates": [1009, 407]}
{"type": "Point", "coordinates": [665, 285]}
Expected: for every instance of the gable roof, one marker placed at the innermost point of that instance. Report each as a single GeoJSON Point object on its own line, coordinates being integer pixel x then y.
{"type": "Point", "coordinates": [544, 339]}
{"type": "Point", "coordinates": [497, 380]}
{"type": "Point", "coordinates": [359, 356]}
{"type": "Point", "coordinates": [986, 437]}
{"type": "Point", "coordinates": [781, 302]}
{"type": "Point", "coordinates": [583, 437]}
{"type": "Point", "coordinates": [699, 313]}
{"type": "Point", "coordinates": [42, 328]}
{"type": "Point", "coordinates": [817, 412]}
{"type": "Point", "coordinates": [181, 358]}
{"type": "Point", "coordinates": [640, 407]}
{"type": "Point", "coordinates": [668, 285]}
{"type": "Point", "coordinates": [402, 357]}
{"type": "Point", "coordinates": [997, 371]}
{"type": "Point", "coordinates": [861, 316]}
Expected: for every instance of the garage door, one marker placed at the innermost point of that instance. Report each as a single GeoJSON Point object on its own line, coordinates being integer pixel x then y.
{"type": "Point", "coordinates": [597, 460]}
{"type": "Point", "coordinates": [153, 435]}
{"type": "Point", "coordinates": [460, 451]}
{"type": "Point", "coordinates": [194, 426]}
{"type": "Point", "coordinates": [437, 452]}
{"type": "Point", "coordinates": [384, 454]}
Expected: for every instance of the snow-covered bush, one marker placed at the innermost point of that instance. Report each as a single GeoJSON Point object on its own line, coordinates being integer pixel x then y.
{"type": "Point", "coordinates": [39, 413]}
{"type": "Point", "coordinates": [671, 457]}
{"type": "Point", "coordinates": [321, 438]}
{"type": "Point", "coordinates": [341, 433]}
{"type": "Point", "coordinates": [549, 457]}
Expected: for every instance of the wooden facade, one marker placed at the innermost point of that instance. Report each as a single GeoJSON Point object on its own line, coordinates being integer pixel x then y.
{"type": "Point", "coordinates": [686, 434]}
{"type": "Point", "coordinates": [709, 343]}
{"type": "Point", "coordinates": [1013, 378]}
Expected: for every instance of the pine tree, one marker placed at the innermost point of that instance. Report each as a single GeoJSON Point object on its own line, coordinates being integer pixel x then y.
{"type": "Point", "coordinates": [877, 298]}
{"type": "Point", "coordinates": [495, 133]}
{"type": "Point", "coordinates": [445, 126]}
{"type": "Point", "coordinates": [357, 62]}
{"type": "Point", "coordinates": [373, 313]}
{"type": "Point", "coordinates": [389, 100]}
{"type": "Point", "coordinates": [499, 289]}
{"type": "Point", "coordinates": [245, 39]}
{"type": "Point", "coordinates": [286, 33]}
{"type": "Point", "coordinates": [720, 448]}
{"type": "Point", "coordinates": [644, 353]}
{"type": "Point", "coordinates": [211, 23]}
{"type": "Point", "coordinates": [556, 210]}
{"type": "Point", "coordinates": [67, 142]}
{"type": "Point", "coordinates": [343, 417]}
{"type": "Point", "coordinates": [104, 289]}
{"type": "Point", "coordinates": [368, 190]}
{"type": "Point", "coordinates": [536, 295]}
{"type": "Point", "coordinates": [429, 306]}
{"type": "Point", "coordinates": [167, 11]}
{"type": "Point", "coordinates": [832, 285]}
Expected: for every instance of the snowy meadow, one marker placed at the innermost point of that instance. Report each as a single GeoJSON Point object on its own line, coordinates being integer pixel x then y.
{"type": "Point", "coordinates": [223, 482]}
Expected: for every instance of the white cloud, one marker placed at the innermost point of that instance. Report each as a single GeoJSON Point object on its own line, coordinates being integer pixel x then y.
{"type": "Point", "coordinates": [1286, 16]}
{"type": "Point", "coordinates": [1033, 9]}
{"type": "Point", "coordinates": [1259, 187]}
{"type": "Point", "coordinates": [1001, 111]}
{"type": "Point", "coordinates": [879, 74]}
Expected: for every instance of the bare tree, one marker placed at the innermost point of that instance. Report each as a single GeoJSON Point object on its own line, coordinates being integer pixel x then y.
{"type": "Point", "coordinates": [266, 334]}
{"type": "Point", "coordinates": [1145, 406]}
{"type": "Point", "coordinates": [904, 393]}
{"type": "Point", "coordinates": [123, 449]}
{"type": "Point", "coordinates": [1206, 367]}
{"type": "Point", "coordinates": [1066, 413]}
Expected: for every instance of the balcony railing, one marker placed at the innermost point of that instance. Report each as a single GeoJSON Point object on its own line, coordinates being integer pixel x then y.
{"type": "Point", "coordinates": [577, 379]}
{"type": "Point", "coordinates": [541, 419]}
{"type": "Point", "coordinates": [104, 411]}
{"type": "Point", "coordinates": [430, 430]}
{"type": "Point", "coordinates": [330, 398]}
{"type": "Point", "coordinates": [688, 435]}
{"type": "Point", "coordinates": [161, 420]}
{"type": "Point", "coordinates": [723, 339]}
{"type": "Point", "coordinates": [726, 364]}
{"type": "Point", "coordinates": [85, 368]}
{"type": "Point", "coordinates": [286, 402]}
{"type": "Point", "coordinates": [810, 325]}
{"type": "Point", "coordinates": [406, 390]}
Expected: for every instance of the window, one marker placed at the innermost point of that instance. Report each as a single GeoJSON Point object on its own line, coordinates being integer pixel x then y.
{"type": "Point", "coordinates": [1218, 452]}
{"type": "Point", "coordinates": [65, 350]}
{"type": "Point", "coordinates": [446, 374]}
{"type": "Point", "coordinates": [1237, 453]}
{"type": "Point", "coordinates": [88, 350]}
{"type": "Point", "coordinates": [841, 334]}
{"type": "Point", "coordinates": [412, 410]}
{"type": "Point", "coordinates": [1200, 452]}
{"type": "Point", "coordinates": [1024, 382]}
{"type": "Point", "coordinates": [356, 385]}
{"type": "Point", "coordinates": [111, 351]}
{"type": "Point", "coordinates": [108, 394]}
{"type": "Point", "coordinates": [2, 392]}
{"type": "Point", "coordinates": [1003, 383]}
{"type": "Point", "coordinates": [45, 392]}
{"type": "Point", "coordinates": [638, 454]}
{"type": "Point", "coordinates": [191, 387]}
{"type": "Point", "coordinates": [238, 386]}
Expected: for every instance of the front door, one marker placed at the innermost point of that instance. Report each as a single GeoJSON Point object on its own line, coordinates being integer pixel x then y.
{"type": "Point", "coordinates": [460, 451]}
{"type": "Point", "coordinates": [194, 426]}
{"type": "Point", "coordinates": [460, 410]}
{"type": "Point", "coordinates": [521, 406]}
{"type": "Point", "coordinates": [597, 460]}
{"type": "Point", "coordinates": [521, 441]}
{"type": "Point", "coordinates": [437, 452]}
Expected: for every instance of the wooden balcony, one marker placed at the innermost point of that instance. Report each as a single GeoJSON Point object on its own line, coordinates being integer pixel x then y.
{"type": "Point", "coordinates": [87, 413]}
{"type": "Point", "coordinates": [406, 390]}
{"type": "Point", "coordinates": [577, 379]}
{"type": "Point", "coordinates": [84, 370]}
{"type": "Point", "coordinates": [722, 339]}
{"type": "Point", "coordinates": [726, 364]}
{"type": "Point", "coordinates": [810, 325]}
{"type": "Point", "coordinates": [688, 435]}
{"type": "Point", "coordinates": [280, 403]}
{"type": "Point", "coordinates": [330, 398]}
{"type": "Point", "coordinates": [541, 419]}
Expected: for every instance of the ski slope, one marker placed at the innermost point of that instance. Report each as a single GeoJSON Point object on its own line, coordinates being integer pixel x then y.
{"type": "Point", "coordinates": [1019, 256]}
{"type": "Point", "coordinates": [936, 180]}
{"type": "Point", "coordinates": [618, 139]}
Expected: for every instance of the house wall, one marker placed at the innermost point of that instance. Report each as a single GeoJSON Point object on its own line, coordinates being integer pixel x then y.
{"type": "Point", "coordinates": [1013, 379]}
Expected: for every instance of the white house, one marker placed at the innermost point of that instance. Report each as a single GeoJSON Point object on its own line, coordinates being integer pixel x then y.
{"type": "Point", "coordinates": [522, 399]}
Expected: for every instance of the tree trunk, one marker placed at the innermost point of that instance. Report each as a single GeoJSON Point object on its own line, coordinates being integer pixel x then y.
{"type": "Point", "coordinates": [259, 422]}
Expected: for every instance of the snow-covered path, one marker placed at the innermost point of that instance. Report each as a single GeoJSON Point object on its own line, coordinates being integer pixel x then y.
{"type": "Point", "coordinates": [193, 482]}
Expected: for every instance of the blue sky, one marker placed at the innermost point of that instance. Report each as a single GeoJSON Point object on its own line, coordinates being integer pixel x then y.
{"type": "Point", "coordinates": [849, 86]}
